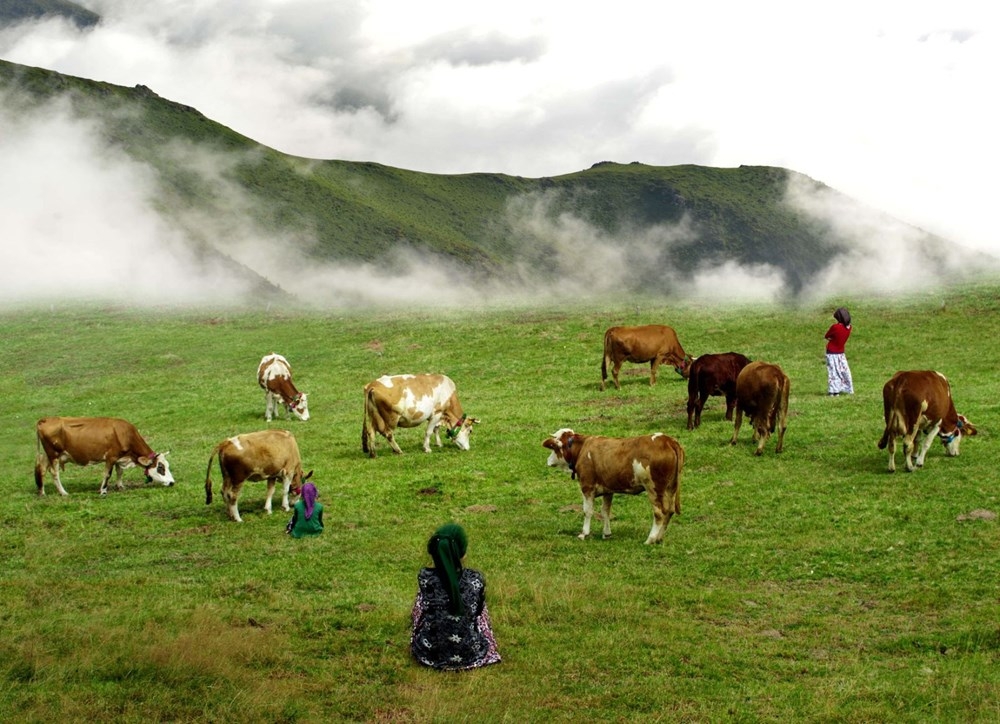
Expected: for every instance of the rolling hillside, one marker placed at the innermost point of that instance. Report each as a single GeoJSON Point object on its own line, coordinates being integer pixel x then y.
{"type": "Point", "coordinates": [664, 221]}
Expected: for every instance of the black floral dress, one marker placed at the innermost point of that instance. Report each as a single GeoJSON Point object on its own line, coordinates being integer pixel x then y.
{"type": "Point", "coordinates": [448, 642]}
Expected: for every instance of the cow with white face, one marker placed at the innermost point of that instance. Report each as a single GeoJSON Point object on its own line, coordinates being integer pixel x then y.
{"type": "Point", "coordinates": [606, 466]}
{"type": "Point", "coordinates": [274, 375]}
{"type": "Point", "coordinates": [918, 403]}
{"type": "Point", "coordinates": [85, 440]}
{"type": "Point", "coordinates": [394, 401]}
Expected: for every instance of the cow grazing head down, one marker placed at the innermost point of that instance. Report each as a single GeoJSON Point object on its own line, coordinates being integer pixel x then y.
{"type": "Point", "coordinates": [157, 468]}
{"type": "Point", "coordinates": [459, 432]}
{"type": "Point", "coordinates": [299, 406]}
{"type": "Point", "coordinates": [918, 406]}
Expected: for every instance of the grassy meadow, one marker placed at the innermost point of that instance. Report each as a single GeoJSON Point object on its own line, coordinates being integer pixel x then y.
{"type": "Point", "coordinates": [809, 586]}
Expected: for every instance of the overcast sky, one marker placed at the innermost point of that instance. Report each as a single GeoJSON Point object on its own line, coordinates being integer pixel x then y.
{"type": "Point", "coordinates": [892, 103]}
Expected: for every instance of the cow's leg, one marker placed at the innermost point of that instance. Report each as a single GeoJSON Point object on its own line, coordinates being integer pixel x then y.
{"type": "Point", "coordinates": [427, 436]}
{"type": "Point", "coordinates": [284, 497]}
{"type": "Point", "coordinates": [782, 426]}
{"type": "Point", "coordinates": [761, 434]}
{"type": "Point", "coordinates": [108, 468]}
{"type": "Point", "coordinates": [892, 453]}
{"type": "Point", "coordinates": [231, 495]}
{"type": "Point", "coordinates": [606, 514]}
{"type": "Point", "coordinates": [654, 365]}
{"type": "Point", "coordinates": [661, 516]}
{"type": "Point", "coordinates": [929, 437]}
{"type": "Point", "coordinates": [270, 494]}
{"type": "Point", "coordinates": [56, 467]}
{"type": "Point", "coordinates": [614, 374]}
{"type": "Point", "coordinates": [730, 404]}
{"type": "Point", "coordinates": [118, 477]}
{"type": "Point", "coordinates": [736, 424]}
{"type": "Point", "coordinates": [268, 406]}
{"type": "Point", "coordinates": [391, 438]}
{"type": "Point", "coordinates": [909, 441]}
{"type": "Point", "coordinates": [588, 512]}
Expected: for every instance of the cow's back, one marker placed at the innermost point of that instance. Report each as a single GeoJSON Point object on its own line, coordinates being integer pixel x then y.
{"type": "Point", "coordinates": [912, 393]}
{"type": "Point", "coordinates": [265, 451]}
{"type": "Point", "coordinates": [641, 343]}
{"type": "Point", "coordinates": [611, 460]}
{"type": "Point", "coordinates": [89, 439]}
{"type": "Point", "coordinates": [758, 384]}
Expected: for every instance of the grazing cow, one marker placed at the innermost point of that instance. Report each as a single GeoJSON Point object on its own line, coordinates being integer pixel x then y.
{"type": "Point", "coordinates": [713, 374]}
{"type": "Point", "coordinates": [629, 466]}
{"type": "Point", "coordinates": [394, 401]}
{"type": "Point", "coordinates": [274, 375]}
{"type": "Point", "coordinates": [265, 455]}
{"type": "Point", "coordinates": [762, 394]}
{"type": "Point", "coordinates": [653, 343]}
{"type": "Point", "coordinates": [920, 402]}
{"type": "Point", "coordinates": [85, 440]}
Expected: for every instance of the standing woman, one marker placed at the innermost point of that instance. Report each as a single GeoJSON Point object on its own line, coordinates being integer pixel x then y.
{"type": "Point", "coordinates": [451, 624]}
{"type": "Point", "coordinates": [838, 373]}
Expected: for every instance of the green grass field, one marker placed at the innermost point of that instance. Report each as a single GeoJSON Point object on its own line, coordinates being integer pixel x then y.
{"type": "Point", "coordinates": [807, 586]}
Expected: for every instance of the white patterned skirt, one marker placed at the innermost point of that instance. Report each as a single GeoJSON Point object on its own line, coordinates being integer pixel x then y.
{"type": "Point", "coordinates": [838, 375]}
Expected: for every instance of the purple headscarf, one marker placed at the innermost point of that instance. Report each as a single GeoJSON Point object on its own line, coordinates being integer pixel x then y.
{"type": "Point", "coordinates": [309, 494]}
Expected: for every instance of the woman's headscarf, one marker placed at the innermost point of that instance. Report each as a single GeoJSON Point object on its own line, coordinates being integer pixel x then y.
{"type": "Point", "coordinates": [447, 548]}
{"type": "Point", "coordinates": [309, 495]}
{"type": "Point", "coordinates": [843, 316]}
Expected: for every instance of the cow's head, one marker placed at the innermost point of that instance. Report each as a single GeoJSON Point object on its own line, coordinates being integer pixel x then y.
{"type": "Point", "coordinates": [461, 430]}
{"type": "Point", "coordinates": [298, 480]}
{"type": "Point", "coordinates": [565, 447]}
{"type": "Point", "coordinates": [684, 368]}
{"type": "Point", "coordinates": [157, 468]}
{"type": "Point", "coordinates": [953, 438]}
{"type": "Point", "coordinates": [299, 406]}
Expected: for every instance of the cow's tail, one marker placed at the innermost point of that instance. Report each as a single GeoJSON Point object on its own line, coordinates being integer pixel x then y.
{"type": "Point", "coordinates": [208, 475]}
{"type": "Point", "coordinates": [367, 430]}
{"type": "Point", "coordinates": [677, 479]}
{"type": "Point", "coordinates": [39, 465]}
{"type": "Point", "coordinates": [604, 359]}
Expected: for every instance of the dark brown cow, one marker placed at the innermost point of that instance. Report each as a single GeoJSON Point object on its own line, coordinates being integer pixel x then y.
{"type": "Point", "coordinates": [762, 394]}
{"type": "Point", "coordinates": [607, 465]}
{"type": "Point", "coordinates": [394, 401]}
{"type": "Point", "coordinates": [713, 374]}
{"type": "Point", "coordinates": [265, 455]}
{"type": "Point", "coordinates": [919, 402]}
{"type": "Point", "coordinates": [274, 375]}
{"type": "Point", "coordinates": [85, 440]}
{"type": "Point", "coordinates": [653, 343]}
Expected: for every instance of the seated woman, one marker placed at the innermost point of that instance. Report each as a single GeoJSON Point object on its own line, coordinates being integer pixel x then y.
{"type": "Point", "coordinates": [307, 514]}
{"type": "Point", "coordinates": [451, 624]}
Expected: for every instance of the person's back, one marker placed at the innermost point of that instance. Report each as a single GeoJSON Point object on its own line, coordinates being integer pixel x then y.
{"type": "Point", "coordinates": [307, 514]}
{"type": "Point", "coordinates": [451, 623]}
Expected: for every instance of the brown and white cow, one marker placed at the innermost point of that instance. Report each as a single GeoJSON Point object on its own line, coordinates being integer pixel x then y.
{"type": "Point", "coordinates": [85, 440]}
{"type": "Point", "coordinates": [265, 455]}
{"type": "Point", "coordinates": [394, 401]}
{"type": "Point", "coordinates": [919, 402]}
{"type": "Point", "coordinates": [274, 375]}
{"type": "Point", "coordinates": [653, 343]}
{"type": "Point", "coordinates": [607, 466]}
{"type": "Point", "coordinates": [762, 394]}
{"type": "Point", "coordinates": [713, 374]}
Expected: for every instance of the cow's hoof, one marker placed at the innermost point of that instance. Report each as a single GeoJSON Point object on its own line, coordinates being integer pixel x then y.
{"type": "Point", "coordinates": [605, 537]}
{"type": "Point", "coordinates": [582, 536]}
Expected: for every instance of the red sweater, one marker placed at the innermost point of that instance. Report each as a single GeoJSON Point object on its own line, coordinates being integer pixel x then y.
{"type": "Point", "coordinates": [837, 336]}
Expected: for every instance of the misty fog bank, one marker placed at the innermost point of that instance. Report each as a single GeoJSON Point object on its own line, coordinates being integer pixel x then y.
{"type": "Point", "coordinates": [82, 223]}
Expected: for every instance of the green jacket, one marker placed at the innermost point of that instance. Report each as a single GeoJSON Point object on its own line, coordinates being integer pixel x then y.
{"type": "Point", "coordinates": [298, 526]}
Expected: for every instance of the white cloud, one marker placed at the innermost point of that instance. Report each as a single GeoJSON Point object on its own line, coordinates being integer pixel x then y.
{"type": "Point", "coordinates": [890, 103]}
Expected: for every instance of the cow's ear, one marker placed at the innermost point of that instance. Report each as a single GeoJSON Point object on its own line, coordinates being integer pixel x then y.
{"type": "Point", "coordinates": [550, 443]}
{"type": "Point", "coordinates": [307, 476]}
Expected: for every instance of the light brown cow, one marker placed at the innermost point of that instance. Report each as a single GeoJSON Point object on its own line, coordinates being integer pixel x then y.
{"type": "Point", "coordinates": [394, 401]}
{"type": "Point", "coordinates": [919, 402]}
{"type": "Point", "coordinates": [265, 455]}
{"type": "Point", "coordinates": [274, 375]}
{"type": "Point", "coordinates": [626, 466]}
{"type": "Point", "coordinates": [84, 440]}
{"type": "Point", "coordinates": [653, 343]}
{"type": "Point", "coordinates": [762, 394]}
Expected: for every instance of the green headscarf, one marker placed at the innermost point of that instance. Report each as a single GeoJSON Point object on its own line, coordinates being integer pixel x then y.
{"type": "Point", "coordinates": [447, 547]}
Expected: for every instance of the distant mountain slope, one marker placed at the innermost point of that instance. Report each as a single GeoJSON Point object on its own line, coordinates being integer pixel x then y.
{"type": "Point", "coordinates": [662, 221]}
{"type": "Point", "coordinates": [12, 11]}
